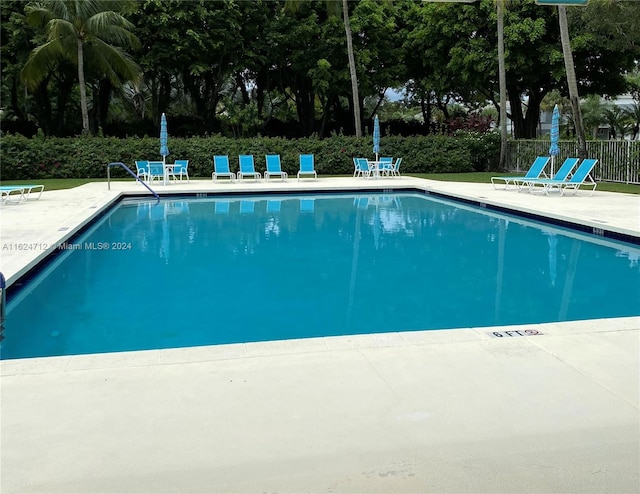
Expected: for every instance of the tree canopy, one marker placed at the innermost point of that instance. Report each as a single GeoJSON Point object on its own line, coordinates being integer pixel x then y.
{"type": "Point", "coordinates": [249, 68]}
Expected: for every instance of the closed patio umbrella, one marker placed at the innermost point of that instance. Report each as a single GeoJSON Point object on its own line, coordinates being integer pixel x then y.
{"type": "Point", "coordinates": [376, 136]}
{"type": "Point", "coordinates": [554, 149]}
{"type": "Point", "coordinates": [164, 148]}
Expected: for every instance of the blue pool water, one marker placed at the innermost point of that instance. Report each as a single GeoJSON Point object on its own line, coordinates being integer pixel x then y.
{"type": "Point", "coordinates": [193, 272]}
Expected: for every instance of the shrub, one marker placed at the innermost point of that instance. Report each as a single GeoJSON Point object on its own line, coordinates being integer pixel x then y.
{"type": "Point", "coordinates": [87, 157]}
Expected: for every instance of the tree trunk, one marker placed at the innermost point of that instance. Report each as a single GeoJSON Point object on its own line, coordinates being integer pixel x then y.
{"type": "Point", "coordinates": [502, 77]}
{"type": "Point", "coordinates": [571, 81]}
{"type": "Point", "coordinates": [352, 69]}
{"type": "Point", "coordinates": [427, 109]}
{"type": "Point", "coordinates": [43, 107]}
{"type": "Point", "coordinates": [525, 126]}
{"type": "Point", "coordinates": [104, 100]}
{"type": "Point", "coordinates": [15, 106]}
{"type": "Point", "coordinates": [65, 89]}
{"type": "Point", "coordinates": [83, 89]}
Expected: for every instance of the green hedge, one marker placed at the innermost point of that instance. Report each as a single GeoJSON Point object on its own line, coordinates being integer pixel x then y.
{"type": "Point", "coordinates": [87, 157]}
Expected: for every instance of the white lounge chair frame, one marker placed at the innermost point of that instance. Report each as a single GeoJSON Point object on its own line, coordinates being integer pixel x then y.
{"type": "Point", "coordinates": [23, 192]}
{"type": "Point", "coordinates": [249, 173]}
{"type": "Point", "coordinates": [304, 168]}
{"type": "Point", "coordinates": [180, 169]}
{"type": "Point", "coordinates": [221, 160]}
{"type": "Point", "coordinates": [274, 167]}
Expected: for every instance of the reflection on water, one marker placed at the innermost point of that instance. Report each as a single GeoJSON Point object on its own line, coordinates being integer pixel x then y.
{"type": "Point", "coordinates": [232, 269]}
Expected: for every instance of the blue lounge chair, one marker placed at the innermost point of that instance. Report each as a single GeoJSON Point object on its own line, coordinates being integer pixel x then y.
{"type": "Point", "coordinates": [581, 177]}
{"type": "Point", "coordinates": [19, 192]}
{"type": "Point", "coordinates": [536, 169]}
{"type": "Point", "coordinates": [395, 169]}
{"type": "Point", "coordinates": [8, 191]}
{"type": "Point", "coordinates": [156, 171]}
{"type": "Point", "coordinates": [562, 174]}
{"type": "Point", "coordinates": [180, 169]}
{"type": "Point", "coordinates": [247, 167]}
{"type": "Point", "coordinates": [385, 163]}
{"type": "Point", "coordinates": [362, 168]}
{"type": "Point", "coordinates": [274, 168]}
{"type": "Point", "coordinates": [221, 168]}
{"type": "Point", "coordinates": [142, 170]}
{"type": "Point", "coordinates": [307, 166]}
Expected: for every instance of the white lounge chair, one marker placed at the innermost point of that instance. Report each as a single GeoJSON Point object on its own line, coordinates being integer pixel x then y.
{"type": "Point", "coordinates": [385, 163]}
{"type": "Point", "coordinates": [536, 169]}
{"type": "Point", "coordinates": [395, 168]}
{"type": "Point", "coordinates": [582, 177]}
{"type": "Point", "coordinates": [307, 166]}
{"type": "Point", "coordinates": [156, 171]}
{"type": "Point", "coordinates": [17, 193]}
{"type": "Point", "coordinates": [221, 168]}
{"type": "Point", "coordinates": [142, 170]}
{"type": "Point", "coordinates": [274, 167]}
{"type": "Point", "coordinates": [563, 173]}
{"type": "Point", "coordinates": [180, 169]}
{"type": "Point", "coordinates": [247, 167]}
{"type": "Point", "coordinates": [362, 168]}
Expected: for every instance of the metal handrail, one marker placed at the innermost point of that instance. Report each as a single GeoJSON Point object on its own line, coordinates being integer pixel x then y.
{"type": "Point", "coordinates": [119, 163]}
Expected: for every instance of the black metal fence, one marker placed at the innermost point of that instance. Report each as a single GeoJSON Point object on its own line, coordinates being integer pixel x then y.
{"type": "Point", "coordinates": [618, 161]}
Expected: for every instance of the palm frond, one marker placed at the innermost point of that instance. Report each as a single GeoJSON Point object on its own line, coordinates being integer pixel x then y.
{"type": "Point", "coordinates": [84, 9]}
{"type": "Point", "coordinates": [114, 62]}
{"type": "Point", "coordinates": [112, 28]}
{"type": "Point", "coordinates": [60, 29]}
{"type": "Point", "coordinates": [37, 14]}
{"type": "Point", "coordinates": [109, 18]}
{"type": "Point", "coordinates": [41, 60]}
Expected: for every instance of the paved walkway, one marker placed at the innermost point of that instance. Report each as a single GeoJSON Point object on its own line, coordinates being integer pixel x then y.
{"type": "Point", "coordinates": [439, 411]}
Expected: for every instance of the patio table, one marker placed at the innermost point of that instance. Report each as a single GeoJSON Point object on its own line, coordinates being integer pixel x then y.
{"type": "Point", "coordinates": [168, 171]}
{"type": "Point", "coordinates": [374, 166]}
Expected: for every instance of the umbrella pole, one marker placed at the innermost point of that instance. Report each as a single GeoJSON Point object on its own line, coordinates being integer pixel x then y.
{"type": "Point", "coordinates": [553, 159]}
{"type": "Point", "coordinates": [164, 170]}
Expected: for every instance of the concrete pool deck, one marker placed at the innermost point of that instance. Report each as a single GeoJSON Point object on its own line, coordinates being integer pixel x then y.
{"type": "Point", "coordinates": [441, 411]}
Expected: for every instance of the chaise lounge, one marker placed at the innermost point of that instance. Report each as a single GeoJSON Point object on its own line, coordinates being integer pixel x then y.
{"type": "Point", "coordinates": [307, 166]}
{"type": "Point", "coordinates": [20, 192]}
{"type": "Point", "coordinates": [274, 167]}
{"type": "Point", "coordinates": [221, 168]}
{"type": "Point", "coordinates": [536, 169]}
{"type": "Point", "coordinates": [247, 167]}
{"type": "Point", "coordinates": [581, 177]}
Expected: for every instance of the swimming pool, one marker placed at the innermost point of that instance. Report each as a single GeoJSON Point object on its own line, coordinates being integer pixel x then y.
{"type": "Point", "coordinates": [189, 272]}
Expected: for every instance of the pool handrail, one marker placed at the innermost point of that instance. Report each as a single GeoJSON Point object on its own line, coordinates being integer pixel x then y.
{"type": "Point", "coordinates": [119, 163]}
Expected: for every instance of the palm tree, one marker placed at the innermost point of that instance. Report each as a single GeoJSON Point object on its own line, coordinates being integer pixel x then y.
{"type": "Point", "coordinates": [571, 81]}
{"type": "Point", "coordinates": [633, 113]}
{"type": "Point", "coordinates": [352, 68]}
{"type": "Point", "coordinates": [619, 121]}
{"type": "Point", "coordinates": [80, 30]}
{"type": "Point", "coordinates": [592, 111]}
{"type": "Point", "coordinates": [502, 81]}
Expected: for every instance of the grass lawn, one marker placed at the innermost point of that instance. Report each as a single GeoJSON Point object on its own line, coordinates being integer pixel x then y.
{"type": "Point", "coordinates": [480, 177]}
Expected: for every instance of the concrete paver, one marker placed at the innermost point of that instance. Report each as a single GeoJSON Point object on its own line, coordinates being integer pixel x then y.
{"type": "Point", "coordinates": [439, 411]}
